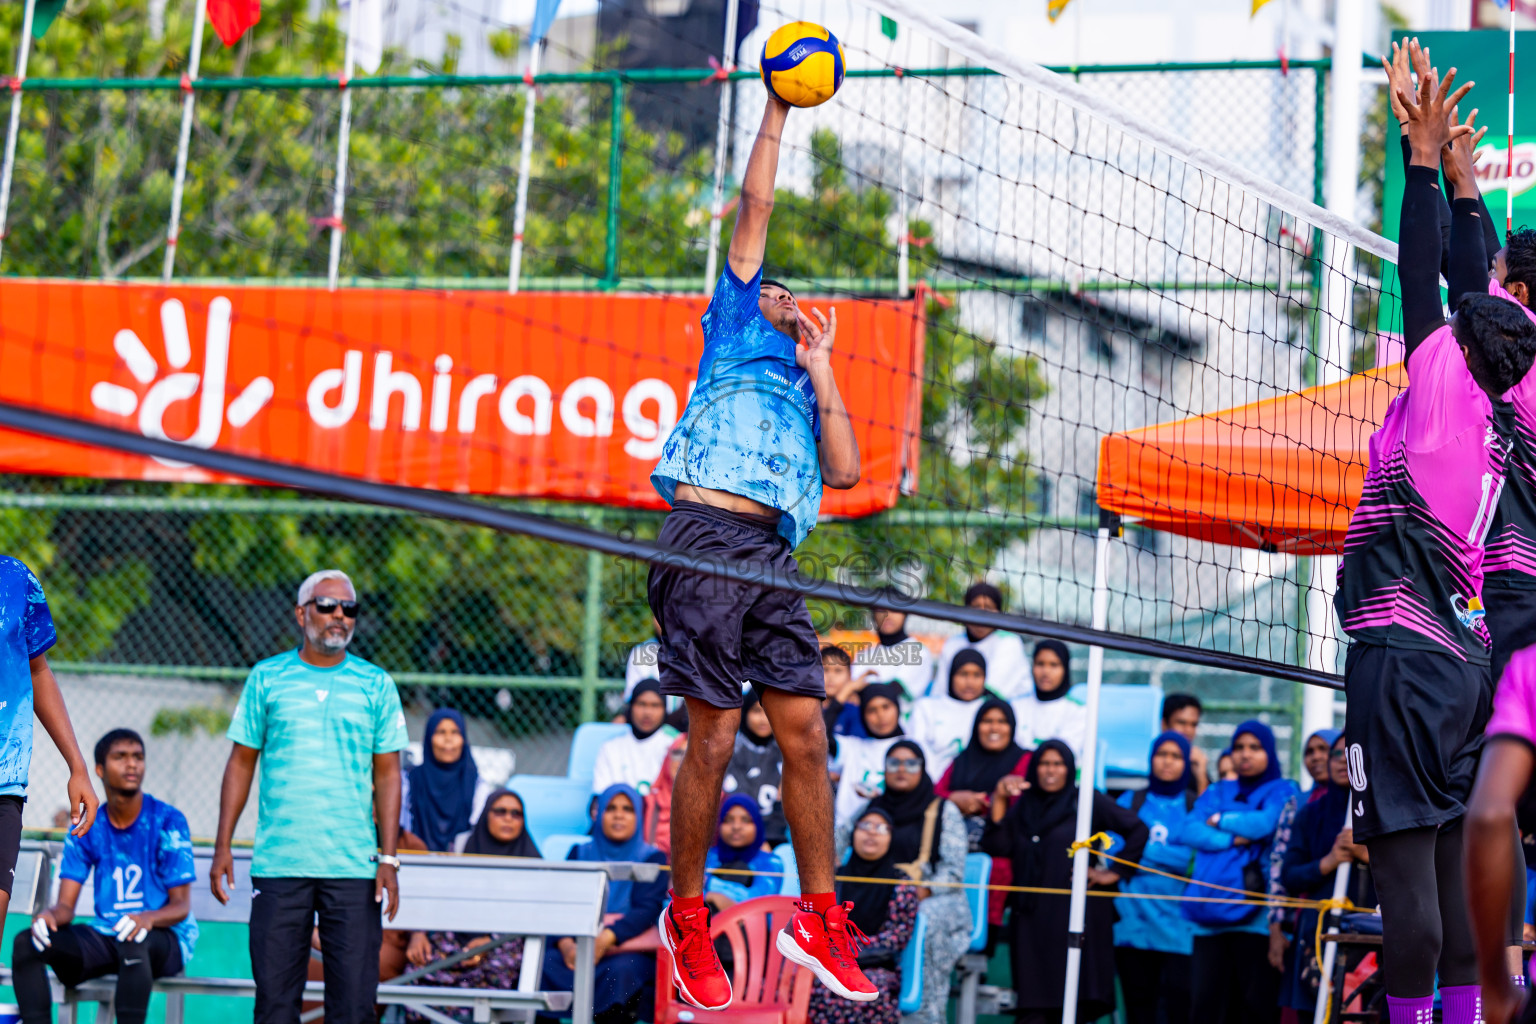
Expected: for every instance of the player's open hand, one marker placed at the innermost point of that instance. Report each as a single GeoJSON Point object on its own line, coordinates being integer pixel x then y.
{"type": "Point", "coordinates": [1399, 76]}
{"type": "Point", "coordinates": [1457, 159]}
{"type": "Point", "coordinates": [82, 803]}
{"type": "Point", "coordinates": [1430, 128]}
{"type": "Point", "coordinates": [817, 337]}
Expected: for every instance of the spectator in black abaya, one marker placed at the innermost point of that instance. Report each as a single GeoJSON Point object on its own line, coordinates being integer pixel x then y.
{"type": "Point", "coordinates": [1035, 833]}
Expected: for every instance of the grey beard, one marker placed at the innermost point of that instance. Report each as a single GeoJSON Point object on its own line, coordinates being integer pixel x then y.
{"type": "Point", "coordinates": [325, 644]}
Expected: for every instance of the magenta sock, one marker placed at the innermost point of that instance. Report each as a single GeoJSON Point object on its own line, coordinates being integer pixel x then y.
{"type": "Point", "coordinates": [1413, 1010]}
{"type": "Point", "coordinates": [1462, 1004]}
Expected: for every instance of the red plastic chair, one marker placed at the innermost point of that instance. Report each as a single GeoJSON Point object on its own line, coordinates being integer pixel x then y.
{"type": "Point", "coordinates": [768, 989]}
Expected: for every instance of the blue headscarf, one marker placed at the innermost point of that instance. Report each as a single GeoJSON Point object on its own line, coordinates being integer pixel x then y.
{"type": "Point", "coordinates": [1266, 737]}
{"type": "Point", "coordinates": [1322, 818]}
{"type": "Point", "coordinates": [739, 856]}
{"type": "Point", "coordinates": [601, 848]}
{"type": "Point", "coordinates": [443, 795]}
{"type": "Point", "coordinates": [1330, 737]}
{"type": "Point", "coordinates": [1178, 786]}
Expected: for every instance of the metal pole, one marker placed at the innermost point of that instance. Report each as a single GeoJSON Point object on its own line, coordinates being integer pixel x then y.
{"type": "Point", "coordinates": [524, 162]}
{"type": "Point", "coordinates": [338, 203]}
{"type": "Point", "coordinates": [615, 181]}
{"type": "Point", "coordinates": [23, 51]}
{"type": "Point", "coordinates": [1079, 907]}
{"type": "Point", "coordinates": [722, 143]}
{"type": "Point", "coordinates": [1340, 886]}
{"type": "Point", "coordinates": [592, 625]}
{"type": "Point", "coordinates": [582, 996]}
{"type": "Point", "coordinates": [904, 239]}
{"type": "Point", "coordinates": [188, 100]}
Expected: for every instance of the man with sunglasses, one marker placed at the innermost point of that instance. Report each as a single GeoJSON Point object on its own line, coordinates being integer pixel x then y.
{"type": "Point", "coordinates": [327, 729]}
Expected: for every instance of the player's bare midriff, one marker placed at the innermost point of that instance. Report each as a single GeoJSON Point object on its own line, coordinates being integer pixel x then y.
{"type": "Point", "coordinates": [723, 499]}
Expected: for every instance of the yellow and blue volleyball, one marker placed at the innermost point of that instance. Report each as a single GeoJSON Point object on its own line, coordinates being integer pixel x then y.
{"type": "Point", "coordinates": [803, 64]}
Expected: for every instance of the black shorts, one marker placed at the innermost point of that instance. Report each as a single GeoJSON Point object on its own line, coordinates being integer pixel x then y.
{"type": "Point", "coordinates": [1414, 723]}
{"type": "Point", "coordinates": [1511, 620]}
{"type": "Point", "coordinates": [719, 633]}
{"type": "Point", "coordinates": [10, 843]}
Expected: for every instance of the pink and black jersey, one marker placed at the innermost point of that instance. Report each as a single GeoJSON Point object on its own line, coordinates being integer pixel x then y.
{"type": "Point", "coordinates": [1510, 559]}
{"type": "Point", "coordinates": [1514, 702]}
{"type": "Point", "coordinates": [1412, 572]}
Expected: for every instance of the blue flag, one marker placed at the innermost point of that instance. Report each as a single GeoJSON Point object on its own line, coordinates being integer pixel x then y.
{"type": "Point", "coordinates": [543, 17]}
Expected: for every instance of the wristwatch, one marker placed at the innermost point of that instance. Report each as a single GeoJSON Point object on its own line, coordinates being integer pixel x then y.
{"type": "Point", "coordinates": [384, 858]}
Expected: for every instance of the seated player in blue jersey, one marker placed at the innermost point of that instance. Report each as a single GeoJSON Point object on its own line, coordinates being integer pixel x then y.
{"type": "Point", "coordinates": [764, 430]}
{"type": "Point", "coordinates": [140, 851]}
{"type": "Point", "coordinates": [1411, 588]}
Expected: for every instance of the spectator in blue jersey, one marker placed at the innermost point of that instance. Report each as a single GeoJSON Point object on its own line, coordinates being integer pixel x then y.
{"type": "Point", "coordinates": [327, 729]}
{"type": "Point", "coordinates": [27, 685]}
{"type": "Point", "coordinates": [140, 852]}
{"type": "Point", "coordinates": [1231, 829]}
{"type": "Point", "coordinates": [1153, 938]}
{"type": "Point", "coordinates": [739, 847]}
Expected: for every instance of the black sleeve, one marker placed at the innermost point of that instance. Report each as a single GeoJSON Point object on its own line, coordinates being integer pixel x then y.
{"type": "Point", "coordinates": [997, 838]}
{"type": "Point", "coordinates": [1418, 256]}
{"type": "Point", "coordinates": [1468, 273]}
{"type": "Point", "coordinates": [1491, 241]}
{"type": "Point", "coordinates": [1443, 214]}
{"type": "Point", "coordinates": [1109, 816]}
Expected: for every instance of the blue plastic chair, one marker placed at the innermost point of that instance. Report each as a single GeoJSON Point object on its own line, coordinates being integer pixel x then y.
{"type": "Point", "coordinates": [790, 883]}
{"type": "Point", "coordinates": [978, 872]}
{"type": "Point", "coordinates": [911, 999]}
{"type": "Point", "coordinates": [589, 738]}
{"type": "Point", "coordinates": [558, 847]}
{"type": "Point", "coordinates": [554, 805]}
{"type": "Point", "coordinates": [1130, 717]}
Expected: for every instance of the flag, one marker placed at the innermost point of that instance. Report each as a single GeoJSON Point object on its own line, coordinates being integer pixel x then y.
{"type": "Point", "coordinates": [1258, 5]}
{"type": "Point", "coordinates": [231, 18]}
{"type": "Point", "coordinates": [543, 17]}
{"type": "Point", "coordinates": [888, 27]}
{"type": "Point", "coordinates": [43, 13]}
{"type": "Point", "coordinates": [367, 33]}
{"type": "Point", "coordinates": [746, 23]}
{"type": "Point", "coordinates": [1053, 8]}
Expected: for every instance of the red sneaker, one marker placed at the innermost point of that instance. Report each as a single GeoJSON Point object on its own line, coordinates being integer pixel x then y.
{"type": "Point", "coordinates": [829, 947]}
{"type": "Point", "coordinates": [696, 967]}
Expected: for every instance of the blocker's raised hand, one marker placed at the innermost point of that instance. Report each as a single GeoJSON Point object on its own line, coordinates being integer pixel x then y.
{"type": "Point", "coordinates": [1430, 128]}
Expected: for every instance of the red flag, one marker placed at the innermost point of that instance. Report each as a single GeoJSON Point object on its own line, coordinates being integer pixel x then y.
{"type": "Point", "coordinates": [231, 18]}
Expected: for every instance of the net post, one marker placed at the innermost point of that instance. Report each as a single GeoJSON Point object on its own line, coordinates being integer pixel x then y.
{"type": "Point", "coordinates": [338, 202]}
{"type": "Point", "coordinates": [184, 141]}
{"type": "Point", "coordinates": [722, 142]}
{"type": "Point", "coordinates": [1331, 949]}
{"type": "Point", "coordinates": [23, 51]}
{"type": "Point", "coordinates": [524, 164]}
{"type": "Point", "coordinates": [615, 175]}
{"type": "Point", "coordinates": [1109, 525]}
{"type": "Point", "coordinates": [592, 624]}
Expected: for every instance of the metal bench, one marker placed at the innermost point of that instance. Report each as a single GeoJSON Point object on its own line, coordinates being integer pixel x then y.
{"type": "Point", "coordinates": [484, 895]}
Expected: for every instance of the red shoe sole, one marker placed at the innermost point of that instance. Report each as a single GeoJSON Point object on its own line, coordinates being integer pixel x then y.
{"type": "Point", "coordinates": [677, 977]}
{"type": "Point", "coordinates": [792, 952]}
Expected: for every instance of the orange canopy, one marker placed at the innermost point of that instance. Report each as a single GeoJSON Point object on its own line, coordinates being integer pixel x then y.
{"type": "Point", "coordinates": [1283, 474]}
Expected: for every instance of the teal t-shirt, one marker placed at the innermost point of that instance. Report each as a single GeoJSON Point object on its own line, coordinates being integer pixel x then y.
{"type": "Point", "coordinates": [317, 730]}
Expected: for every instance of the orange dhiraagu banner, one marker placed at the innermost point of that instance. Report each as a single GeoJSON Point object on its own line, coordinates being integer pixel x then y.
{"type": "Point", "coordinates": [537, 395]}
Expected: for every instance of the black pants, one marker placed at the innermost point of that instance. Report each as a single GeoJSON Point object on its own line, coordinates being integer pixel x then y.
{"type": "Point", "coordinates": [1231, 981]}
{"type": "Point", "coordinates": [283, 911]}
{"type": "Point", "coordinates": [1424, 922]}
{"type": "Point", "coordinates": [1151, 982]}
{"type": "Point", "coordinates": [80, 953]}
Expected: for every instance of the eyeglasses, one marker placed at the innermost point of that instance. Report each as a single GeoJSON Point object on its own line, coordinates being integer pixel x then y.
{"type": "Point", "coordinates": [1338, 755]}
{"type": "Point", "coordinates": [328, 606]}
{"type": "Point", "coordinates": [903, 764]}
{"type": "Point", "coordinates": [874, 828]}
{"type": "Point", "coordinates": [506, 812]}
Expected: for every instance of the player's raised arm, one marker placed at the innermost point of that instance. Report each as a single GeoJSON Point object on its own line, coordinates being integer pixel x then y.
{"type": "Point", "coordinates": [750, 238]}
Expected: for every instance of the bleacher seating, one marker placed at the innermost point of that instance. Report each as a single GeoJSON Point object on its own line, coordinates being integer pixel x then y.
{"type": "Point", "coordinates": [1129, 720]}
{"type": "Point", "coordinates": [911, 998]}
{"type": "Point", "coordinates": [554, 805]}
{"type": "Point", "coordinates": [436, 894]}
{"type": "Point", "coordinates": [589, 739]}
{"type": "Point", "coordinates": [556, 847]}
